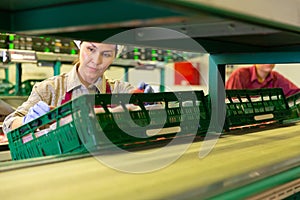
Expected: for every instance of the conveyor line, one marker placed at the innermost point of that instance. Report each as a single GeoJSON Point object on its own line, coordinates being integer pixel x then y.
{"type": "Point", "coordinates": [234, 161]}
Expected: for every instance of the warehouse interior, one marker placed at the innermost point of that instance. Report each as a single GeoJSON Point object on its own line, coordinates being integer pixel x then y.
{"type": "Point", "coordinates": [190, 139]}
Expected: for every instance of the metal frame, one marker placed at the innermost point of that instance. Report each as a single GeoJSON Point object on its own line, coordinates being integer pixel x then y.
{"type": "Point", "coordinates": [217, 63]}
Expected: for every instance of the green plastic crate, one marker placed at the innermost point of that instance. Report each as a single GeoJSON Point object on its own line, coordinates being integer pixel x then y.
{"type": "Point", "coordinates": [79, 129]}
{"type": "Point", "coordinates": [25, 143]}
{"type": "Point", "coordinates": [250, 107]}
{"type": "Point", "coordinates": [187, 110]}
{"type": "Point", "coordinates": [294, 104]}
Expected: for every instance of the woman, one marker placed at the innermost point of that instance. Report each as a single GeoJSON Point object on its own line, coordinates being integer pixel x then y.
{"type": "Point", "coordinates": [86, 77]}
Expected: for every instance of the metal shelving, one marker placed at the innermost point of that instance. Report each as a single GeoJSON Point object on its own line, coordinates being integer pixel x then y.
{"type": "Point", "coordinates": [230, 36]}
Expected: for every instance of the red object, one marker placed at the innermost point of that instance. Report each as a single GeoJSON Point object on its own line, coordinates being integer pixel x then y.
{"type": "Point", "coordinates": [138, 91]}
{"type": "Point", "coordinates": [186, 73]}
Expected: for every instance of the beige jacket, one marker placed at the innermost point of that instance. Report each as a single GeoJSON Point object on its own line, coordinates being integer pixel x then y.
{"type": "Point", "coordinates": [53, 90]}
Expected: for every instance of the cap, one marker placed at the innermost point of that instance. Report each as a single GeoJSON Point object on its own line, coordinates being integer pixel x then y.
{"type": "Point", "coordinates": [119, 47]}
{"type": "Point", "coordinates": [77, 43]}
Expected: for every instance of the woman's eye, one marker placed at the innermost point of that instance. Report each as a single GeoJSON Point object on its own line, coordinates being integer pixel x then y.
{"type": "Point", "coordinates": [108, 55]}
{"type": "Point", "coordinates": [90, 49]}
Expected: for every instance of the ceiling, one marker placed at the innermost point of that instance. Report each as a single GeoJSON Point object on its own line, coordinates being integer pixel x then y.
{"type": "Point", "coordinates": [128, 21]}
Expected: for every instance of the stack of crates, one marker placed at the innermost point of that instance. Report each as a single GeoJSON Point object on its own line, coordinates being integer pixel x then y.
{"type": "Point", "coordinates": [150, 54]}
{"type": "Point", "coordinates": [3, 41]}
{"type": "Point", "coordinates": [40, 44]}
{"type": "Point", "coordinates": [74, 127]}
{"type": "Point", "coordinates": [20, 42]}
{"type": "Point", "coordinates": [54, 45]}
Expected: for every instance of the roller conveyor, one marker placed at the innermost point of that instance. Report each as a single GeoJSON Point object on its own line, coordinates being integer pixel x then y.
{"type": "Point", "coordinates": [243, 163]}
{"type": "Point", "coordinates": [233, 162]}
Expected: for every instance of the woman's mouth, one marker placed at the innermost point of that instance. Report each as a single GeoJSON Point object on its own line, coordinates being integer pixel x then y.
{"type": "Point", "coordinates": [94, 69]}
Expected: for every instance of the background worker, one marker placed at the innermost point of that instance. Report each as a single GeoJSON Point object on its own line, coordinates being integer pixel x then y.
{"type": "Point", "coordinates": [86, 77]}
{"type": "Point", "coordinates": [260, 76]}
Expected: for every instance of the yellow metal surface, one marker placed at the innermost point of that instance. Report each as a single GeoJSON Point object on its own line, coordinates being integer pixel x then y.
{"type": "Point", "coordinates": [87, 178]}
{"type": "Point", "coordinates": [259, 9]}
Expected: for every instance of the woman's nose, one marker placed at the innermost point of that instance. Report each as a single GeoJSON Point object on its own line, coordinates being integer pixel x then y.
{"type": "Point", "coordinates": [98, 58]}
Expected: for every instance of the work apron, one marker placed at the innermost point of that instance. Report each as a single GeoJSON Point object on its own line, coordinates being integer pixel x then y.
{"type": "Point", "coordinates": [68, 95]}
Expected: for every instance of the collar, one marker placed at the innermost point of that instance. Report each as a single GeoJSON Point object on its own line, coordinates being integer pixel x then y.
{"type": "Point", "coordinates": [73, 78]}
{"type": "Point", "coordinates": [254, 75]}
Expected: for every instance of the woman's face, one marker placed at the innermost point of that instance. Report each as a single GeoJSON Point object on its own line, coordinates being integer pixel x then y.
{"type": "Point", "coordinates": [94, 59]}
